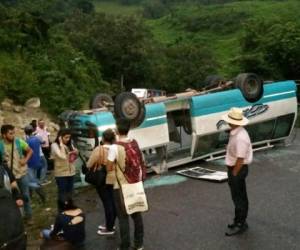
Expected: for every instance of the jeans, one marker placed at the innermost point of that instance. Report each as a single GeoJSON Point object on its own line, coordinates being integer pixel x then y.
{"type": "Point", "coordinates": [124, 224]}
{"type": "Point", "coordinates": [65, 186]}
{"type": "Point", "coordinates": [23, 184]}
{"type": "Point", "coordinates": [238, 191]}
{"type": "Point", "coordinates": [105, 193]}
{"type": "Point", "coordinates": [33, 179]}
{"type": "Point", "coordinates": [43, 169]}
{"type": "Point", "coordinates": [34, 183]}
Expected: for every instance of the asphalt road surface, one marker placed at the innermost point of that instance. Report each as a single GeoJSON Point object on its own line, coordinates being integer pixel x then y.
{"type": "Point", "coordinates": [193, 214]}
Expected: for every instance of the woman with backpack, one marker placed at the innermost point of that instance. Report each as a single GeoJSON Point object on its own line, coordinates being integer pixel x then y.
{"type": "Point", "coordinates": [64, 155]}
{"type": "Point", "coordinates": [97, 162]}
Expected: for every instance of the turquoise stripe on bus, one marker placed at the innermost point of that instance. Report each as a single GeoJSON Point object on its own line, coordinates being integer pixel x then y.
{"type": "Point", "coordinates": [155, 115]}
{"type": "Point", "coordinates": [99, 118]}
{"type": "Point", "coordinates": [222, 101]}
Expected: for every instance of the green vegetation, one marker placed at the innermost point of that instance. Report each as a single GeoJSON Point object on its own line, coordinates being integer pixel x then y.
{"type": "Point", "coordinates": [64, 51]}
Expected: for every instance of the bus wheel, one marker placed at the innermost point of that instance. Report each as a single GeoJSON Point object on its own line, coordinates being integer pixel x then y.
{"type": "Point", "coordinates": [251, 86]}
{"type": "Point", "coordinates": [100, 100]}
{"type": "Point", "coordinates": [138, 121]}
{"type": "Point", "coordinates": [128, 106]}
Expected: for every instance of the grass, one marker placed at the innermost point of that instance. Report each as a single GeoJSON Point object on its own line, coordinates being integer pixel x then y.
{"type": "Point", "coordinates": [114, 8]}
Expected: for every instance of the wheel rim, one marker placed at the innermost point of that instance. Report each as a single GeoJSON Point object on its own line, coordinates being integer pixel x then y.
{"type": "Point", "coordinates": [130, 109]}
{"type": "Point", "coordinates": [252, 86]}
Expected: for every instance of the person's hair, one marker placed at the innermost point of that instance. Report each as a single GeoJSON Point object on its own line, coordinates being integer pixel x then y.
{"type": "Point", "coordinates": [28, 130]}
{"type": "Point", "coordinates": [109, 136]}
{"type": "Point", "coordinates": [34, 124]}
{"type": "Point", "coordinates": [123, 126]}
{"type": "Point", "coordinates": [62, 132]}
{"type": "Point", "coordinates": [66, 205]}
{"type": "Point", "coordinates": [5, 128]}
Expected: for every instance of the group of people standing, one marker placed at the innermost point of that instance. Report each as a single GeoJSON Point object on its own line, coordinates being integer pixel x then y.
{"type": "Point", "coordinates": [26, 160]}
{"type": "Point", "coordinates": [22, 169]}
{"type": "Point", "coordinates": [111, 158]}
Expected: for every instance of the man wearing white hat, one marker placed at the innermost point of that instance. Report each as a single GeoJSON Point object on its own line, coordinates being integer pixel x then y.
{"type": "Point", "coordinates": [238, 155]}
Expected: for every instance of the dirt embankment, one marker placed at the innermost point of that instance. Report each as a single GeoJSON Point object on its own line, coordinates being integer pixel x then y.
{"type": "Point", "coordinates": [20, 116]}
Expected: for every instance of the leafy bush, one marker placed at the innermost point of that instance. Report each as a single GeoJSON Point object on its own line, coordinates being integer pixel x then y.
{"type": "Point", "coordinates": [154, 9]}
{"type": "Point", "coordinates": [271, 48]}
{"type": "Point", "coordinates": [182, 66]}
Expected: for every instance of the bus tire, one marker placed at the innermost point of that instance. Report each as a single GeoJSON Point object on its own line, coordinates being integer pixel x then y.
{"type": "Point", "coordinates": [127, 106]}
{"type": "Point", "coordinates": [138, 121]}
{"type": "Point", "coordinates": [251, 86]}
{"type": "Point", "coordinates": [100, 100]}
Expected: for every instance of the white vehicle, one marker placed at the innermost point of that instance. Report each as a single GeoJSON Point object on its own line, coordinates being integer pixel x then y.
{"type": "Point", "coordinates": [188, 126]}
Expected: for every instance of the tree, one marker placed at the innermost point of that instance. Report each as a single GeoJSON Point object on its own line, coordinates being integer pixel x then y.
{"type": "Point", "coordinates": [119, 44]}
{"type": "Point", "coordinates": [183, 66]}
{"type": "Point", "coordinates": [271, 48]}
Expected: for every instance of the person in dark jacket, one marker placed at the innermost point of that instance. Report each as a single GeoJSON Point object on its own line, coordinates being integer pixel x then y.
{"type": "Point", "coordinates": [12, 234]}
{"type": "Point", "coordinates": [69, 225]}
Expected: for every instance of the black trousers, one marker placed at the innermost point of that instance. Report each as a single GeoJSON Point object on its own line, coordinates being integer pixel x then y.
{"type": "Point", "coordinates": [105, 193]}
{"type": "Point", "coordinates": [124, 224]}
{"type": "Point", "coordinates": [239, 195]}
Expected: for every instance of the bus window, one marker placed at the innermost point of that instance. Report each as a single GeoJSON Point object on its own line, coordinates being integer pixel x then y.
{"type": "Point", "coordinates": [211, 143]}
{"type": "Point", "coordinates": [283, 125]}
{"type": "Point", "coordinates": [261, 131]}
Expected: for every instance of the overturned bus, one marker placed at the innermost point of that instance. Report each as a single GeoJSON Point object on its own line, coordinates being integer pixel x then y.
{"type": "Point", "coordinates": [185, 127]}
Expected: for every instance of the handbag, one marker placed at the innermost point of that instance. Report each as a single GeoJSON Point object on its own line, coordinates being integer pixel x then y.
{"type": "Point", "coordinates": [97, 175]}
{"type": "Point", "coordinates": [134, 196]}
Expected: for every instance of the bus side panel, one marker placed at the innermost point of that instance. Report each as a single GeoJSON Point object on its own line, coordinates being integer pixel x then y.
{"type": "Point", "coordinates": [153, 131]}
{"type": "Point", "coordinates": [279, 100]}
{"type": "Point", "coordinates": [206, 111]}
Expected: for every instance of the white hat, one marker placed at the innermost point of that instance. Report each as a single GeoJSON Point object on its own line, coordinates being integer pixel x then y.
{"type": "Point", "coordinates": [235, 116]}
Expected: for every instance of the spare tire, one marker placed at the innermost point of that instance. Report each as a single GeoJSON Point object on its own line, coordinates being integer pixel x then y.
{"type": "Point", "coordinates": [251, 86]}
{"type": "Point", "coordinates": [138, 121]}
{"type": "Point", "coordinates": [128, 106]}
{"type": "Point", "coordinates": [100, 100]}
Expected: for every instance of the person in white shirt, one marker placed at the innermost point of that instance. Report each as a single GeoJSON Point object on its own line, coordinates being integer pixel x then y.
{"type": "Point", "coordinates": [239, 155]}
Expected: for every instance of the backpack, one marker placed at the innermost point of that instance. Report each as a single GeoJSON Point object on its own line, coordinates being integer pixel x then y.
{"type": "Point", "coordinates": [4, 191]}
{"type": "Point", "coordinates": [18, 144]}
{"type": "Point", "coordinates": [135, 169]}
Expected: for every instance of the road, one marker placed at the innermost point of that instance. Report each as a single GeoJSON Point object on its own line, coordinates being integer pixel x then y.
{"type": "Point", "coordinates": [192, 214]}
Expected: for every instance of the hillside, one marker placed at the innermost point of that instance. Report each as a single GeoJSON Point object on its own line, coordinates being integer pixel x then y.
{"type": "Point", "coordinates": [66, 51]}
{"type": "Point", "coordinates": [218, 27]}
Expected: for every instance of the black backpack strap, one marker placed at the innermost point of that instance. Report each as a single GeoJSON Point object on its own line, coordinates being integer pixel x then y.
{"type": "Point", "coordinates": [2, 177]}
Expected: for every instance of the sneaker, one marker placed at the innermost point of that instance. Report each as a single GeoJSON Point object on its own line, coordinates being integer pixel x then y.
{"type": "Point", "coordinates": [238, 229]}
{"type": "Point", "coordinates": [231, 226]}
{"type": "Point", "coordinates": [105, 232]}
{"type": "Point", "coordinates": [103, 227]}
{"type": "Point", "coordinates": [138, 248]}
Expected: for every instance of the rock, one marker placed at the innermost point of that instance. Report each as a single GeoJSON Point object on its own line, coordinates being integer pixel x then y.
{"type": "Point", "coordinates": [53, 126]}
{"type": "Point", "coordinates": [7, 104]}
{"type": "Point", "coordinates": [33, 102]}
{"type": "Point", "coordinates": [18, 109]}
{"type": "Point", "coordinates": [14, 120]}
